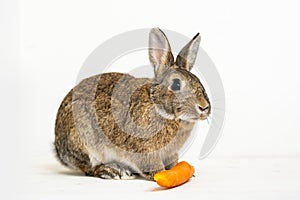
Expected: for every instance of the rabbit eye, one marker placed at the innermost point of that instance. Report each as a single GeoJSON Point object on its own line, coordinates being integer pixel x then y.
{"type": "Point", "coordinates": [175, 85]}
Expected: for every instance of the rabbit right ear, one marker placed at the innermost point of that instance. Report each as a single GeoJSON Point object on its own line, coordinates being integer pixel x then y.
{"type": "Point", "coordinates": [160, 54]}
{"type": "Point", "coordinates": [187, 56]}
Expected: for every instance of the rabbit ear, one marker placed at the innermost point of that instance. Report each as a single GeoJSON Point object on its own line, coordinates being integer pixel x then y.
{"type": "Point", "coordinates": [160, 54]}
{"type": "Point", "coordinates": [187, 56]}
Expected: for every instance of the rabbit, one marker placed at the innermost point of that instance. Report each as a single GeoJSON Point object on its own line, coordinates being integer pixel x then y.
{"type": "Point", "coordinates": [116, 126]}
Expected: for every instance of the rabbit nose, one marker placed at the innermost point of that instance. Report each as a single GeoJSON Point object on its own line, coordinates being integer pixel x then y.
{"type": "Point", "coordinates": [203, 109]}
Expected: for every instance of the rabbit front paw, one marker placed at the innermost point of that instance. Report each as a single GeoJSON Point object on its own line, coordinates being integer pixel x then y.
{"type": "Point", "coordinates": [112, 171]}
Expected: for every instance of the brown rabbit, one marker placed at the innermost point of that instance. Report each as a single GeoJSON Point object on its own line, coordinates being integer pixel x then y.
{"type": "Point", "coordinates": [116, 126]}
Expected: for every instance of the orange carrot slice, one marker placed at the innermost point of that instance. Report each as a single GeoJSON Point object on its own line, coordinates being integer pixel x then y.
{"type": "Point", "coordinates": [175, 176]}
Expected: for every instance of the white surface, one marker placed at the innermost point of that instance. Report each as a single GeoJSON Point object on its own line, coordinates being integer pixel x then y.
{"type": "Point", "coordinates": [215, 179]}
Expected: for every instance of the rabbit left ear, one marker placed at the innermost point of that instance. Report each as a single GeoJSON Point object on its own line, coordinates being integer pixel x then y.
{"type": "Point", "coordinates": [187, 56]}
{"type": "Point", "coordinates": [160, 54]}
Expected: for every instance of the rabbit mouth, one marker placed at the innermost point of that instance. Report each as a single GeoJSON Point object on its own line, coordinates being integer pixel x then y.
{"type": "Point", "coordinates": [203, 117]}
{"type": "Point", "coordinates": [183, 116]}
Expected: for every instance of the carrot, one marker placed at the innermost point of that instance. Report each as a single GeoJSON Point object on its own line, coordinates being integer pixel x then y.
{"type": "Point", "coordinates": [175, 176]}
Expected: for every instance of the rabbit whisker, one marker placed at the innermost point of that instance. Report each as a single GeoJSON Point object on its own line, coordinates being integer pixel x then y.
{"type": "Point", "coordinates": [207, 121]}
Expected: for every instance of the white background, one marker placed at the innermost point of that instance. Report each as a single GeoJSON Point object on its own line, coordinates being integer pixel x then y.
{"type": "Point", "coordinates": [255, 46]}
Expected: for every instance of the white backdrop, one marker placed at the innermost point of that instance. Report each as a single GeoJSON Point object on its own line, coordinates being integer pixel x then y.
{"type": "Point", "coordinates": [255, 46]}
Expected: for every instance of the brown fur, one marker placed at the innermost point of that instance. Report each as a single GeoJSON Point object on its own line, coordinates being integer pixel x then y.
{"type": "Point", "coordinates": [111, 126]}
